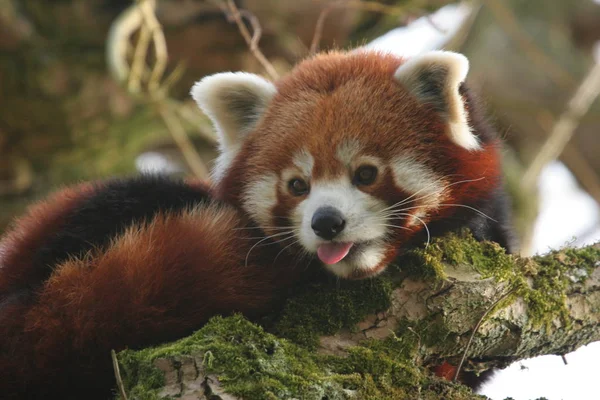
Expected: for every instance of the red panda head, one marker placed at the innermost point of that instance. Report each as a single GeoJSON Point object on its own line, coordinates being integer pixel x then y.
{"type": "Point", "coordinates": [351, 154]}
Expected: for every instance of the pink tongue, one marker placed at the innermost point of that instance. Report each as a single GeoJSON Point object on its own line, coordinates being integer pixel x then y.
{"type": "Point", "coordinates": [330, 253]}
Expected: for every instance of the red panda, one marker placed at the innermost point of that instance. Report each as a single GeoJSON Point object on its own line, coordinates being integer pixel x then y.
{"type": "Point", "coordinates": [342, 164]}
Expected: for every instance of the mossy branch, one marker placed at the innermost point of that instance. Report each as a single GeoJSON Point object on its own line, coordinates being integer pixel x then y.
{"type": "Point", "coordinates": [380, 338]}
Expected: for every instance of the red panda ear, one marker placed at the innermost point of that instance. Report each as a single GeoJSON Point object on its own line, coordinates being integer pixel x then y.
{"type": "Point", "coordinates": [234, 101]}
{"type": "Point", "coordinates": [434, 78]}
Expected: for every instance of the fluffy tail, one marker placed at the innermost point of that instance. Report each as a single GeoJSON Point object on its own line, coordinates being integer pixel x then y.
{"type": "Point", "coordinates": [155, 279]}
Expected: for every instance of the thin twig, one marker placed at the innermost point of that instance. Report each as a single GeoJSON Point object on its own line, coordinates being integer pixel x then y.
{"type": "Point", "coordinates": [120, 385]}
{"type": "Point", "coordinates": [256, 28]}
{"type": "Point", "coordinates": [117, 43]}
{"type": "Point", "coordinates": [172, 79]}
{"type": "Point", "coordinates": [235, 15]}
{"type": "Point", "coordinates": [141, 16]}
{"type": "Point", "coordinates": [184, 143]}
{"type": "Point", "coordinates": [139, 60]}
{"type": "Point", "coordinates": [464, 356]}
{"type": "Point", "coordinates": [147, 7]}
{"type": "Point", "coordinates": [565, 127]}
{"type": "Point", "coordinates": [191, 116]}
{"type": "Point", "coordinates": [373, 6]}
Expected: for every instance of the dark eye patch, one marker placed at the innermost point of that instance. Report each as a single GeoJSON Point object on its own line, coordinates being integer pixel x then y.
{"type": "Point", "coordinates": [298, 187]}
{"type": "Point", "coordinates": [365, 175]}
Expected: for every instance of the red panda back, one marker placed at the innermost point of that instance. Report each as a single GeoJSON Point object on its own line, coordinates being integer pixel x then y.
{"type": "Point", "coordinates": [156, 280]}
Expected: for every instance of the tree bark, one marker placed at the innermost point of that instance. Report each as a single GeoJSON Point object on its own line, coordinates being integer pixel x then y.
{"type": "Point", "coordinates": [456, 298]}
{"type": "Point", "coordinates": [507, 334]}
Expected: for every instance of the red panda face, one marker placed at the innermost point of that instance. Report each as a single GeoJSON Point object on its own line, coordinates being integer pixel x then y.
{"type": "Point", "coordinates": [350, 155]}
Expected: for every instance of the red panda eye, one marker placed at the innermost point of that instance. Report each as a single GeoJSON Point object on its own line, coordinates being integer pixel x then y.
{"type": "Point", "coordinates": [298, 187]}
{"type": "Point", "coordinates": [365, 175]}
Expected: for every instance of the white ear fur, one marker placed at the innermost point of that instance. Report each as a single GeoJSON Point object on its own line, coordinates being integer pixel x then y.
{"type": "Point", "coordinates": [234, 101]}
{"type": "Point", "coordinates": [434, 78]}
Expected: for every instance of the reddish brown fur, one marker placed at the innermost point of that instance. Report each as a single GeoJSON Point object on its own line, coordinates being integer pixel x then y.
{"type": "Point", "coordinates": [31, 231]}
{"type": "Point", "coordinates": [332, 98]}
{"type": "Point", "coordinates": [382, 116]}
{"type": "Point", "coordinates": [144, 289]}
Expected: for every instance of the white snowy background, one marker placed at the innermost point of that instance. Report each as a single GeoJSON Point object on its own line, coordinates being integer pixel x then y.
{"type": "Point", "coordinates": [568, 216]}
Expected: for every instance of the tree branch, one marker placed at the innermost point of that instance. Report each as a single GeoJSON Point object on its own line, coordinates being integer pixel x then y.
{"type": "Point", "coordinates": [235, 15]}
{"type": "Point", "coordinates": [455, 299]}
{"type": "Point", "coordinates": [565, 127]}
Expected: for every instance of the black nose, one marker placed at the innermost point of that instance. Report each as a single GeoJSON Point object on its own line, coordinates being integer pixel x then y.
{"type": "Point", "coordinates": [327, 222]}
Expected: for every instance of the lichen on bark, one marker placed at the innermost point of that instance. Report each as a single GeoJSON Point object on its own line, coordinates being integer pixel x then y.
{"type": "Point", "coordinates": [378, 338]}
{"type": "Point", "coordinates": [237, 357]}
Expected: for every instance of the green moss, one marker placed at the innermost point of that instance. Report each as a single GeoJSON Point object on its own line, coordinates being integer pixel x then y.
{"type": "Point", "coordinates": [250, 363]}
{"type": "Point", "coordinates": [551, 273]}
{"type": "Point", "coordinates": [426, 262]}
{"type": "Point", "coordinates": [325, 308]}
{"type": "Point", "coordinates": [254, 364]}
{"type": "Point", "coordinates": [461, 249]}
{"type": "Point", "coordinates": [141, 378]}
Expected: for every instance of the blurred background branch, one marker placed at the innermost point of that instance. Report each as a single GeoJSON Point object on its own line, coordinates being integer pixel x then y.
{"type": "Point", "coordinates": [100, 88]}
{"type": "Point", "coordinates": [234, 14]}
{"type": "Point", "coordinates": [140, 18]}
{"type": "Point", "coordinates": [565, 127]}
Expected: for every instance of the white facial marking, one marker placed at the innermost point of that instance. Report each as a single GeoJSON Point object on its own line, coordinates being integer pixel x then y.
{"type": "Point", "coordinates": [304, 161]}
{"type": "Point", "coordinates": [369, 160]}
{"type": "Point", "coordinates": [356, 206]}
{"type": "Point", "coordinates": [424, 185]}
{"type": "Point", "coordinates": [371, 257]}
{"type": "Point", "coordinates": [418, 179]}
{"type": "Point", "coordinates": [348, 151]}
{"type": "Point", "coordinates": [260, 197]}
{"type": "Point", "coordinates": [434, 77]}
{"type": "Point", "coordinates": [360, 213]}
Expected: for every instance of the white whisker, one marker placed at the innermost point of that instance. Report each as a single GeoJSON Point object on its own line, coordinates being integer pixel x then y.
{"type": "Point", "coordinates": [264, 227]}
{"type": "Point", "coordinates": [395, 226]}
{"type": "Point", "coordinates": [404, 201]}
{"type": "Point", "coordinates": [444, 205]}
{"type": "Point", "coordinates": [282, 250]}
{"type": "Point", "coordinates": [290, 234]}
{"type": "Point", "coordinates": [262, 240]}
{"type": "Point", "coordinates": [425, 225]}
{"type": "Point", "coordinates": [470, 208]}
